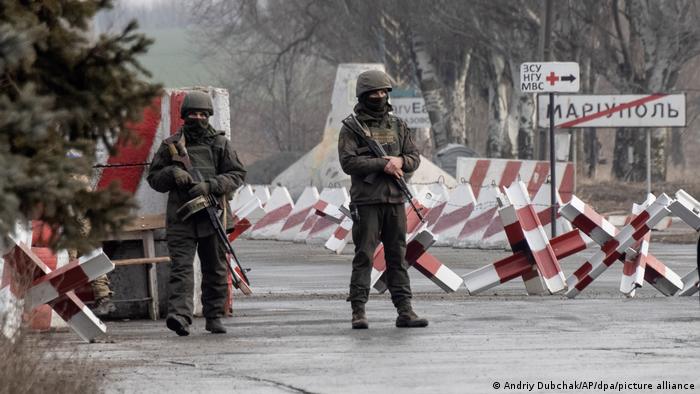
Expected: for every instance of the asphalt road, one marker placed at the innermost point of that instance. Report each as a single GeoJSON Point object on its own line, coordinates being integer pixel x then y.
{"type": "Point", "coordinates": [294, 335]}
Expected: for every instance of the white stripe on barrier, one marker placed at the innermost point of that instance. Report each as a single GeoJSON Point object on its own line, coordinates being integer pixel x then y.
{"type": "Point", "coordinates": [471, 234]}
{"type": "Point", "coordinates": [623, 241]}
{"type": "Point", "coordinates": [323, 228]}
{"type": "Point", "coordinates": [541, 202]}
{"type": "Point", "coordinates": [460, 205]}
{"type": "Point", "coordinates": [340, 237]}
{"type": "Point", "coordinates": [690, 283]}
{"type": "Point", "coordinates": [538, 244]}
{"type": "Point", "coordinates": [277, 210]}
{"type": "Point", "coordinates": [302, 210]}
{"type": "Point", "coordinates": [634, 267]}
{"type": "Point", "coordinates": [687, 209]}
{"type": "Point", "coordinates": [69, 278]}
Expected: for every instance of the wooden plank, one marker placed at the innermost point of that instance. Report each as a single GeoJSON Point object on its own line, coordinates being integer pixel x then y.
{"type": "Point", "coordinates": [146, 222]}
{"type": "Point", "coordinates": [143, 260]}
{"type": "Point", "coordinates": [149, 252]}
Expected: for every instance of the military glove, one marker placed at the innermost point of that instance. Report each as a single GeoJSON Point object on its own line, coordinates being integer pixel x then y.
{"type": "Point", "coordinates": [182, 177]}
{"type": "Point", "coordinates": [200, 189]}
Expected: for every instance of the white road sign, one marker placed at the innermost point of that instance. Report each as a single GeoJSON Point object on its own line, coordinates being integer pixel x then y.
{"type": "Point", "coordinates": [654, 110]}
{"type": "Point", "coordinates": [549, 77]}
{"type": "Point", "coordinates": [412, 111]}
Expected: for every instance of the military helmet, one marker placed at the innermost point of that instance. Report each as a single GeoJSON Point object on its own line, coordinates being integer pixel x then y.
{"type": "Point", "coordinates": [196, 101]}
{"type": "Point", "coordinates": [372, 80]}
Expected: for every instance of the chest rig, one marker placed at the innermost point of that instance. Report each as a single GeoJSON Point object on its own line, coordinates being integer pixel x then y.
{"type": "Point", "coordinates": [201, 159]}
{"type": "Point", "coordinates": [387, 134]}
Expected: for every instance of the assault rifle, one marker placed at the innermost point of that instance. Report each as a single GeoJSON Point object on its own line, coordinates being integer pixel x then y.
{"type": "Point", "coordinates": [378, 150]}
{"type": "Point", "coordinates": [179, 154]}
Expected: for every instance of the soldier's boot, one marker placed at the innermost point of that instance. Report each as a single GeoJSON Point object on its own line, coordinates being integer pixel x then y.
{"type": "Point", "coordinates": [359, 318]}
{"type": "Point", "coordinates": [178, 324]}
{"type": "Point", "coordinates": [215, 326]}
{"type": "Point", "coordinates": [103, 307]}
{"type": "Point", "coordinates": [408, 319]}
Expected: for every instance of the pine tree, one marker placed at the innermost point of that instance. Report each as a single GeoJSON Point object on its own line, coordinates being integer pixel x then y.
{"type": "Point", "coordinates": [62, 92]}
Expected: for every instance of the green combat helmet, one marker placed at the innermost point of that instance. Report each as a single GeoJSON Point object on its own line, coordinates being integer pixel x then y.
{"type": "Point", "coordinates": [196, 101]}
{"type": "Point", "coordinates": [372, 80]}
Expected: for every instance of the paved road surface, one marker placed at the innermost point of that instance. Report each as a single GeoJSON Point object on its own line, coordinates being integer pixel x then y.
{"type": "Point", "coordinates": [294, 335]}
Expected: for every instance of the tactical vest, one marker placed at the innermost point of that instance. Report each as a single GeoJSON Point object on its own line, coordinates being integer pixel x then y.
{"type": "Point", "coordinates": [387, 135]}
{"type": "Point", "coordinates": [203, 160]}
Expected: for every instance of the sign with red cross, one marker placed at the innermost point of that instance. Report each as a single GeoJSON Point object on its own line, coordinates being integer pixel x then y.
{"type": "Point", "coordinates": [549, 77]}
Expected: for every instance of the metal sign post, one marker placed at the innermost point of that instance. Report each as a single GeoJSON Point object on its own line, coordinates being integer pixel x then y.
{"type": "Point", "coordinates": [552, 169]}
{"type": "Point", "coordinates": [550, 77]}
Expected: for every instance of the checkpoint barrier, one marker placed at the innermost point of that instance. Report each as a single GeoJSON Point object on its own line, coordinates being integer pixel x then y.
{"type": "Point", "coordinates": [534, 256]}
{"type": "Point", "coordinates": [456, 217]}
{"type": "Point", "coordinates": [629, 244]}
{"type": "Point", "coordinates": [618, 245]}
{"type": "Point", "coordinates": [457, 210]}
{"type": "Point", "coordinates": [302, 210]}
{"type": "Point", "coordinates": [277, 209]}
{"type": "Point", "coordinates": [520, 213]}
{"type": "Point", "coordinates": [687, 209]}
{"type": "Point", "coordinates": [480, 173]}
{"type": "Point", "coordinates": [317, 231]}
{"type": "Point", "coordinates": [27, 278]}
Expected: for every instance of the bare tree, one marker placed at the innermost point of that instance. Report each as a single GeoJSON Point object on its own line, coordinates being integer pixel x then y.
{"type": "Point", "coordinates": [648, 43]}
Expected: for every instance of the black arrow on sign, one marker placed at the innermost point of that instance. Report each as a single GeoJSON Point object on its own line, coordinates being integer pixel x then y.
{"type": "Point", "coordinates": [570, 78]}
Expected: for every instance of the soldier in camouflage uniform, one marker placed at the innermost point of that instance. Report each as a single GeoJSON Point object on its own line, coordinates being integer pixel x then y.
{"type": "Point", "coordinates": [378, 207]}
{"type": "Point", "coordinates": [103, 304]}
{"type": "Point", "coordinates": [212, 154]}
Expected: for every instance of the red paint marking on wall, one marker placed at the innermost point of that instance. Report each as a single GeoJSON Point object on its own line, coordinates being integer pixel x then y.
{"type": "Point", "coordinates": [133, 152]}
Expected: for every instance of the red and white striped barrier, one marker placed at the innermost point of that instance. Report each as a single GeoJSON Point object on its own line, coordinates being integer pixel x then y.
{"type": "Point", "coordinates": [21, 259]}
{"type": "Point", "coordinates": [323, 228]}
{"type": "Point", "coordinates": [480, 173]}
{"type": "Point", "coordinates": [431, 267]}
{"type": "Point", "coordinates": [277, 209]}
{"type": "Point", "coordinates": [516, 239]}
{"type": "Point", "coordinates": [243, 217]}
{"type": "Point", "coordinates": [43, 317]}
{"type": "Point", "coordinates": [340, 237]}
{"type": "Point", "coordinates": [691, 282]}
{"type": "Point", "coordinates": [519, 264]}
{"type": "Point", "coordinates": [542, 204]}
{"type": "Point", "coordinates": [418, 258]}
{"type": "Point", "coordinates": [535, 239]}
{"type": "Point", "coordinates": [687, 209]}
{"type": "Point", "coordinates": [242, 197]}
{"type": "Point", "coordinates": [434, 198]}
{"type": "Point", "coordinates": [634, 268]}
{"type": "Point", "coordinates": [457, 210]}
{"type": "Point", "coordinates": [262, 192]}
{"type": "Point", "coordinates": [615, 248]}
{"type": "Point", "coordinates": [483, 215]}
{"type": "Point", "coordinates": [601, 231]}
{"type": "Point", "coordinates": [75, 274]}
{"type": "Point", "coordinates": [341, 217]}
{"type": "Point", "coordinates": [302, 210]}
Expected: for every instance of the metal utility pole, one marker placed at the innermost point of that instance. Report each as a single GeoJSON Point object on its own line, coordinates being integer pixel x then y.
{"type": "Point", "coordinates": [552, 158]}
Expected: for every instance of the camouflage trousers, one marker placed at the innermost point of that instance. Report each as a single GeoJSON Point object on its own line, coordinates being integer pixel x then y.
{"type": "Point", "coordinates": [100, 286]}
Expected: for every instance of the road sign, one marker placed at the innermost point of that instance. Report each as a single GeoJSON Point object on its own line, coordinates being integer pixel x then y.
{"type": "Point", "coordinates": [655, 110]}
{"type": "Point", "coordinates": [549, 77]}
{"type": "Point", "coordinates": [412, 111]}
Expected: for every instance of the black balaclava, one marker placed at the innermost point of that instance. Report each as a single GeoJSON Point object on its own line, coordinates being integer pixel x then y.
{"type": "Point", "coordinates": [196, 129]}
{"type": "Point", "coordinates": [374, 106]}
